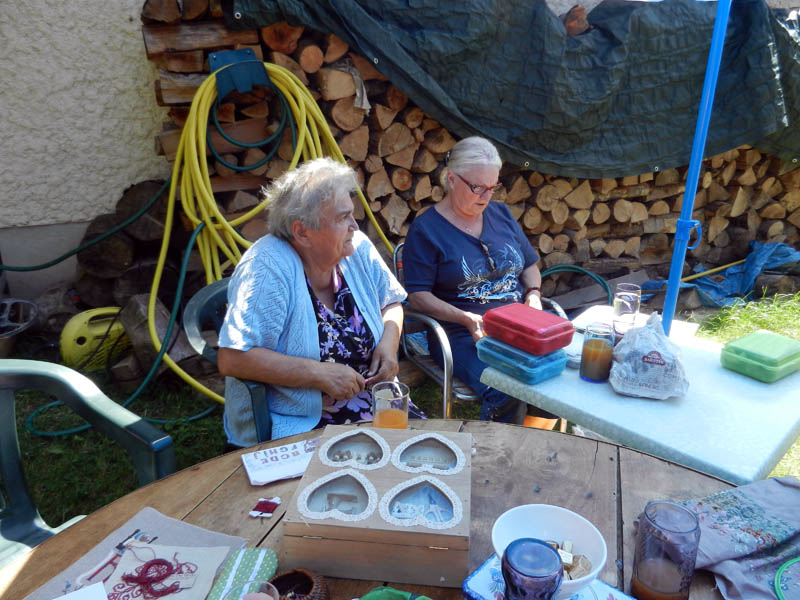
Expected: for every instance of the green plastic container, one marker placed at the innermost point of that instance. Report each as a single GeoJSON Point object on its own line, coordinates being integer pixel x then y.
{"type": "Point", "coordinates": [762, 355]}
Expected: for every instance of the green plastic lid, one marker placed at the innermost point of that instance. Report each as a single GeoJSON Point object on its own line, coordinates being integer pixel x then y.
{"type": "Point", "coordinates": [765, 347]}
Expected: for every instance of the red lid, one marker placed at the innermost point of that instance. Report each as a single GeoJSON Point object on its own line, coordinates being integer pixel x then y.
{"type": "Point", "coordinates": [522, 316]}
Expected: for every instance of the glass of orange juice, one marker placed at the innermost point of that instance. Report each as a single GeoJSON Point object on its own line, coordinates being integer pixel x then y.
{"type": "Point", "coordinates": [390, 405]}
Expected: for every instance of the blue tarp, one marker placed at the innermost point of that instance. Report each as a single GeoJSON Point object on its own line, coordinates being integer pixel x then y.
{"type": "Point", "coordinates": [737, 281]}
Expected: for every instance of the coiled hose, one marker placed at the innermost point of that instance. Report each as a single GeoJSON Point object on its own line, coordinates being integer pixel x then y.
{"type": "Point", "coordinates": [576, 269]}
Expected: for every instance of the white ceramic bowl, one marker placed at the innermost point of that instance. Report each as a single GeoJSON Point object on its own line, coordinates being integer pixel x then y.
{"type": "Point", "coordinates": [547, 522]}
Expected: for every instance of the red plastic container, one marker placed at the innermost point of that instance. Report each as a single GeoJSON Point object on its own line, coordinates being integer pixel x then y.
{"type": "Point", "coordinates": [534, 331]}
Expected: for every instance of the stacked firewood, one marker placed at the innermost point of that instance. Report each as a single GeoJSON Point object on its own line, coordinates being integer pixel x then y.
{"type": "Point", "coordinates": [610, 226]}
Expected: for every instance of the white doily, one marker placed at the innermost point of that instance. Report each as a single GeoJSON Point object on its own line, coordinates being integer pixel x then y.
{"type": "Point", "coordinates": [353, 461]}
{"type": "Point", "coordinates": [459, 455]}
{"type": "Point", "coordinates": [372, 498]}
{"type": "Point", "coordinates": [421, 519]}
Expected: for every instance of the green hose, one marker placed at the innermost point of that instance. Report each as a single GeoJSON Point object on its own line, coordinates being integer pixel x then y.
{"type": "Point", "coordinates": [576, 269]}
{"type": "Point", "coordinates": [96, 240]}
{"type": "Point", "coordinates": [167, 335]}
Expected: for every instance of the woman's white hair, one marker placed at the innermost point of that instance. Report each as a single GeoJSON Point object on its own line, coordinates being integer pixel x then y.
{"type": "Point", "coordinates": [299, 194]}
{"type": "Point", "coordinates": [472, 152]}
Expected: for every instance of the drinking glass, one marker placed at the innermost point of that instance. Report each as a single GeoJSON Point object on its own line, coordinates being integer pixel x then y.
{"type": "Point", "coordinates": [666, 549]}
{"type": "Point", "coordinates": [390, 405]}
{"type": "Point", "coordinates": [253, 590]}
{"type": "Point", "coordinates": [627, 297]}
{"type": "Point", "coordinates": [532, 570]}
{"type": "Point", "coordinates": [598, 348]}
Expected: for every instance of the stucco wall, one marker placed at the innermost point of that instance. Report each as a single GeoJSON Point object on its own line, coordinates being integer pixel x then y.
{"type": "Point", "coordinates": [78, 109]}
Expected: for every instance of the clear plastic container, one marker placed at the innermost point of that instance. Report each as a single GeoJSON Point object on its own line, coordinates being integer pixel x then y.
{"type": "Point", "coordinates": [534, 331]}
{"type": "Point", "coordinates": [762, 355]}
{"type": "Point", "coordinates": [526, 367]}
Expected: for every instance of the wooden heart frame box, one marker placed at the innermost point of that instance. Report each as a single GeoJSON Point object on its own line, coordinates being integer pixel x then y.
{"type": "Point", "coordinates": [383, 505]}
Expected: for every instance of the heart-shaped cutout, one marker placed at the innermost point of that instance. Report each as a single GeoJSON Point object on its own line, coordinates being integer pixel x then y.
{"type": "Point", "coordinates": [361, 449]}
{"type": "Point", "coordinates": [429, 452]}
{"type": "Point", "coordinates": [423, 500]}
{"type": "Point", "coordinates": [345, 495]}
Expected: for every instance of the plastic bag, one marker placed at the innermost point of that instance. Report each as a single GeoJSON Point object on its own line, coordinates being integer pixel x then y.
{"type": "Point", "coordinates": [647, 364]}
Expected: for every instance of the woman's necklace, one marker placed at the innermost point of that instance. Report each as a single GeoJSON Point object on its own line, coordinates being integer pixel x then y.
{"type": "Point", "coordinates": [471, 228]}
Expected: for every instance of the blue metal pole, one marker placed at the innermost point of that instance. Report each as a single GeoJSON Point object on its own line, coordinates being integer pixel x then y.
{"type": "Point", "coordinates": [685, 223]}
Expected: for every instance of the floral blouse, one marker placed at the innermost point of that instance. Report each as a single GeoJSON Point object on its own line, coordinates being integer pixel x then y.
{"type": "Point", "coordinates": [345, 338]}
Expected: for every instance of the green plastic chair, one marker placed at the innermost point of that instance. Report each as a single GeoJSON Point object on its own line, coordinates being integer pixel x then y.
{"type": "Point", "coordinates": [150, 450]}
{"type": "Point", "coordinates": [205, 311]}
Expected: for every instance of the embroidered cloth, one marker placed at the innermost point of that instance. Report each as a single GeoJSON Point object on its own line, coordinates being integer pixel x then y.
{"type": "Point", "coordinates": [747, 533]}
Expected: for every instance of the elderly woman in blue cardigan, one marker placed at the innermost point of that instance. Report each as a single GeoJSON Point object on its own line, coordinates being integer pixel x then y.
{"type": "Point", "coordinates": [313, 311]}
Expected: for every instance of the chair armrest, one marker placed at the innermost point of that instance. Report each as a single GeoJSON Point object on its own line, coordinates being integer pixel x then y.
{"type": "Point", "coordinates": [258, 397]}
{"type": "Point", "coordinates": [200, 308]}
{"type": "Point", "coordinates": [555, 307]}
{"type": "Point", "coordinates": [150, 449]}
{"type": "Point", "coordinates": [447, 355]}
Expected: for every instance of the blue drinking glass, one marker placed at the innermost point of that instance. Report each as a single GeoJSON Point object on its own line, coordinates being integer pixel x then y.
{"type": "Point", "coordinates": [532, 570]}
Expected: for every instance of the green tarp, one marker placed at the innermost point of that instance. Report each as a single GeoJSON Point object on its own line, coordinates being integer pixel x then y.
{"type": "Point", "coordinates": [619, 99]}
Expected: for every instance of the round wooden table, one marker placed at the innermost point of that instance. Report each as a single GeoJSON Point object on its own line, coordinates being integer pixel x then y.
{"type": "Point", "coordinates": [606, 483]}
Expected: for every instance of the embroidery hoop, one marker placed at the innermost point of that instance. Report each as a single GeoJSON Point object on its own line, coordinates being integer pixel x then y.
{"type": "Point", "coordinates": [779, 575]}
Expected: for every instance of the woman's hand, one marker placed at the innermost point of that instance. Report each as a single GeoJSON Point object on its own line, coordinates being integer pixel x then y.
{"type": "Point", "coordinates": [339, 381]}
{"type": "Point", "coordinates": [534, 300]}
{"type": "Point", "coordinates": [384, 365]}
{"type": "Point", "coordinates": [474, 324]}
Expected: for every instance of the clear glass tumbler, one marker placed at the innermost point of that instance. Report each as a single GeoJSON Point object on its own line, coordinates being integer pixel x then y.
{"type": "Point", "coordinates": [627, 298]}
{"type": "Point", "coordinates": [390, 405]}
{"type": "Point", "coordinates": [598, 347]}
{"type": "Point", "coordinates": [531, 569]}
{"type": "Point", "coordinates": [666, 549]}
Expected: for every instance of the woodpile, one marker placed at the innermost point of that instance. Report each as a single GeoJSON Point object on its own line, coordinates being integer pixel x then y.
{"type": "Point", "coordinates": [610, 226]}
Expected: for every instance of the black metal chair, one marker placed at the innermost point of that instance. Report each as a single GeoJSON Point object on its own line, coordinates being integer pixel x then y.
{"type": "Point", "coordinates": [205, 311]}
{"type": "Point", "coordinates": [150, 450]}
{"type": "Point", "coordinates": [415, 347]}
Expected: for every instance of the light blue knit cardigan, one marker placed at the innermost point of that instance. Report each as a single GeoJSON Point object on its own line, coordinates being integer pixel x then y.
{"type": "Point", "coordinates": [269, 306]}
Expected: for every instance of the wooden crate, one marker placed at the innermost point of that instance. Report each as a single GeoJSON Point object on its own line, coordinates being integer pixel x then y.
{"type": "Point", "coordinates": [355, 516]}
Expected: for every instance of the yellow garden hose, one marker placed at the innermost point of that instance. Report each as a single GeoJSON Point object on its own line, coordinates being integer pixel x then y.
{"type": "Point", "coordinates": [219, 244]}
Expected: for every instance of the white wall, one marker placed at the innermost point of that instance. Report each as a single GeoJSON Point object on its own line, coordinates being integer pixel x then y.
{"type": "Point", "coordinates": [78, 120]}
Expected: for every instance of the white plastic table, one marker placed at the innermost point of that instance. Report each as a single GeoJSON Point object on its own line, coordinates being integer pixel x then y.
{"type": "Point", "coordinates": [728, 425]}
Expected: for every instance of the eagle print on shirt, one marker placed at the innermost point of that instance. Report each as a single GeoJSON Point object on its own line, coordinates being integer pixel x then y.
{"type": "Point", "coordinates": [482, 285]}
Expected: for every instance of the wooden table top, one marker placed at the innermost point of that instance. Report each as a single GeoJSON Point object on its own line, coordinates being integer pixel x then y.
{"type": "Point", "coordinates": [606, 483]}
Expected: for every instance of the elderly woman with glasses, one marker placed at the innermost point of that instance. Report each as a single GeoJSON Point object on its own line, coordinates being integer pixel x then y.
{"type": "Point", "coordinates": [313, 311]}
{"type": "Point", "coordinates": [466, 255]}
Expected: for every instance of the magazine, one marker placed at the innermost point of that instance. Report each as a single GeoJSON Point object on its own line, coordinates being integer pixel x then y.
{"type": "Point", "coordinates": [280, 462]}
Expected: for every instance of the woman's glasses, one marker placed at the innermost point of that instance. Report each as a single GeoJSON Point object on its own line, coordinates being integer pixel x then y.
{"type": "Point", "coordinates": [478, 189]}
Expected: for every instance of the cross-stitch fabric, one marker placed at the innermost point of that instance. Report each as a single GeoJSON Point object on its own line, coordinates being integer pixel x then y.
{"type": "Point", "coordinates": [147, 526]}
{"type": "Point", "coordinates": [746, 534]}
{"type": "Point", "coordinates": [193, 569]}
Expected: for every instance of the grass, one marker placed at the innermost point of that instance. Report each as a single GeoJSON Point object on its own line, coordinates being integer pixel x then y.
{"type": "Point", "coordinates": [780, 314]}
{"type": "Point", "coordinates": [77, 474]}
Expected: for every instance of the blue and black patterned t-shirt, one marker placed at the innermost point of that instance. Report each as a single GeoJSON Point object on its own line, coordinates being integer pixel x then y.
{"type": "Point", "coordinates": [454, 266]}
